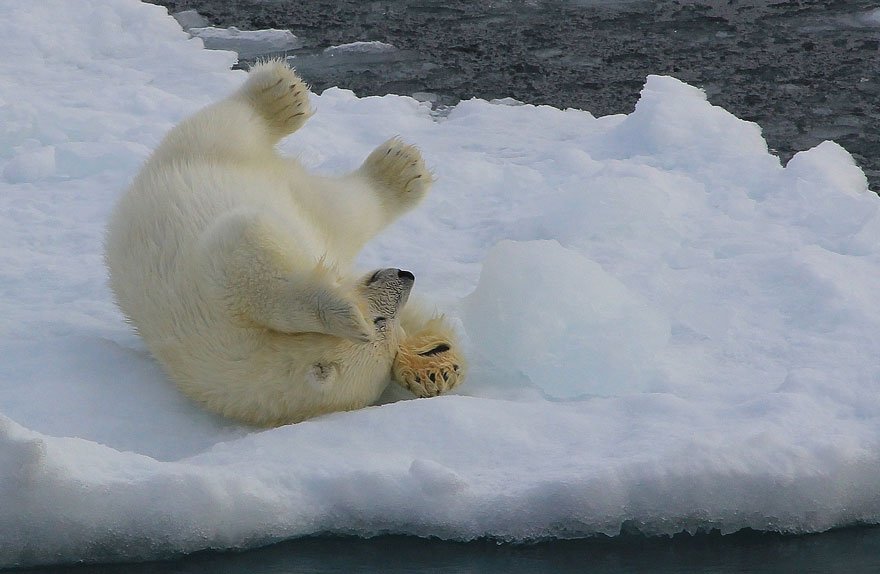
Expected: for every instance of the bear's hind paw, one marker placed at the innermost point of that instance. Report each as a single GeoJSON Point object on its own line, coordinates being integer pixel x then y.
{"type": "Point", "coordinates": [428, 365]}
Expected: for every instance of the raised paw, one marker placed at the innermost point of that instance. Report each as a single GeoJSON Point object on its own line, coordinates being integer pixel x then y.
{"type": "Point", "coordinates": [428, 363]}
{"type": "Point", "coordinates": [279, 96]}
{"type": "Point", "coordinates": [344, 318]}
{"type": "Point", "coordinates": [398, 169]}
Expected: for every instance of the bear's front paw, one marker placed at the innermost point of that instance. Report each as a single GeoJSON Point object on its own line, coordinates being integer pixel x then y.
{"type": "Point", "coordinates": [279, 96]}
{"type": "Point", "coordinates": [429, 363]}
{"type": "Point", "coordinates": [344, 318]}
{"type": "Point", "coordinates": [398, 169]}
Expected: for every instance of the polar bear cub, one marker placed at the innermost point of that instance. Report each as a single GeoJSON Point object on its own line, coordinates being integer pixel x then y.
{"type": "Point", "coordinates": [233, 264]}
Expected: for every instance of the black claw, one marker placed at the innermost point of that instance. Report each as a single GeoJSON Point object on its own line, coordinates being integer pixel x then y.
{"type": "Point", "coordinates": [293, 116]}
{"type": "Point", "coordinates": [272, 86]}
{"type": "Point", "coordinates": [441, 348]}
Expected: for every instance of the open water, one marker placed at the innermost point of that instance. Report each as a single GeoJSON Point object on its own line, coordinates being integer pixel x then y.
{"type": "Point", "coordinates": [847, 551]}
{"type": "Point", "coordinates": [804, 70]}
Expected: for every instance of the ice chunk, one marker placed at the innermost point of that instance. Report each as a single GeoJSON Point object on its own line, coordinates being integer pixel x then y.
{"type": "Point", "coordinates": [429, 97]}
{"type": "Point", "coordinates": [191, 19]}
{"type": "Point", "coordinates": [871, 17]}
{"type": "Point", "coordinates": [374, 47]}
{"type": "Point", "coordinates": [336, 64]}
{"type": "Point", "coordinates": [828, 167]}
{"type": "Point", "coordinates": [561, 320]}
{"type": "Point", "coordinates": [675, 127]}
{"type": "Point", "coordinates": [247, 43]}
{"type": "Point", "coordinates": [506, 102]}
{"type": "Point", "coordinates": [825, 194]}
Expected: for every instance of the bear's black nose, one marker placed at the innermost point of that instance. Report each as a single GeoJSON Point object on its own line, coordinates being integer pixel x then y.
{"type": "Point", "coordinates": [405, 275]}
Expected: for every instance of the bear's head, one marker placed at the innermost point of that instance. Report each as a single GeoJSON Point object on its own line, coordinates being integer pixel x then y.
{"type": "Point", "coordinates": [386, 291]}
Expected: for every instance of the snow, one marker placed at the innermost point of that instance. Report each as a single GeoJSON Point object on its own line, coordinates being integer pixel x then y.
{"type": "Point", "coordinates": [668, 330]}
{"type": "Point", "coordinates": [32, 162]}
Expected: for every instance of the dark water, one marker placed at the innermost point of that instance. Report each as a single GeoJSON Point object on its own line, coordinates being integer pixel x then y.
{"type": "Point", "coordinates": [805, 70]}
{"type": "Point", "coordinates": [848, 551]}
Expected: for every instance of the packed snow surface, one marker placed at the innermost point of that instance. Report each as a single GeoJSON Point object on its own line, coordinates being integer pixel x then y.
{"type": "Point", "coordinates": [668, 330]}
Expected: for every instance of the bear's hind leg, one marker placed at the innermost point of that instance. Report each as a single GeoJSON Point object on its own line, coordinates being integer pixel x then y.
{"type": "Point", "coordinates": [279, 96]}
{"type": "Point", "coordinates": [429, 361]}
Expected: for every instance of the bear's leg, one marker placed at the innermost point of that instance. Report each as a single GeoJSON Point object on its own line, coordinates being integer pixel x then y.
{"type": "Point", "coordinates": [252, 265]}
{"type": "Point", "coordinates": [272, 103]}
{"type": "Point", "coordinates": [428, 361]}
{"type": "Point", "coordinates": [279, 96]}
{"type": "Point", "coordinates": [397, 175]}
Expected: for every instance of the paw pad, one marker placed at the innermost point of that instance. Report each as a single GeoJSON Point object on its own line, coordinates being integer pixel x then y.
{"type": "Point", "coordinates": [279, 95]}
{"type": "Point", "coordinates": [428, 366]}
{"type": "Point", "coordinates": [399, 168]}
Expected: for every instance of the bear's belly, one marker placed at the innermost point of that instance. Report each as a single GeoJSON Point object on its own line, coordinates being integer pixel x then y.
{"type": "Point", "coordinates": [265, 378]}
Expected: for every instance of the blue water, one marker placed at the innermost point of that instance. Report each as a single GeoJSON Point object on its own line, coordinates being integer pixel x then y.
{"type": "Point", "coordinates": [845, 551]}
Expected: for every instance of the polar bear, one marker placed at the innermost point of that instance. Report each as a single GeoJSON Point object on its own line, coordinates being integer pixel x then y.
{"type": "Point", "coordinates": [233, 264]}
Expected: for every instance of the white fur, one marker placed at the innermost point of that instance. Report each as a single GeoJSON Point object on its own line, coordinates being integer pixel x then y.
{"type": "Point", "coordinates": [233, 262]}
